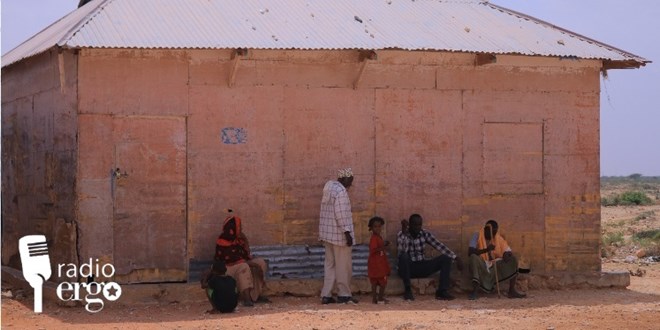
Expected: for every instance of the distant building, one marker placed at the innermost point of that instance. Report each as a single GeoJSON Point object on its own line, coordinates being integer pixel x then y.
{"type": "Point", "coordinates": [128, 126]}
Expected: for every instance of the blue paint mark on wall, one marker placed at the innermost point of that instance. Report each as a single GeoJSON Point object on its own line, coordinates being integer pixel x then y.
{"type": "Point", "coordinates": [234, 135]}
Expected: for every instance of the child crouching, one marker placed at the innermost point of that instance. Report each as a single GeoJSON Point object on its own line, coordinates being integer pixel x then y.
{"type": "Point", "coordinates": [220, 289]}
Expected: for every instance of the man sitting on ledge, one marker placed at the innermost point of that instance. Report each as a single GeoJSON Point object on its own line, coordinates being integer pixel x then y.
{"type": "Point", "coordinates": [412, 264]}
{"type": "Point", "coordinates": [491, 261]}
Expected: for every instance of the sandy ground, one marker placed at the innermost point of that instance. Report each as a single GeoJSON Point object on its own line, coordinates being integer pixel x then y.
{"type": "Point", "coordinates": [637, 307]}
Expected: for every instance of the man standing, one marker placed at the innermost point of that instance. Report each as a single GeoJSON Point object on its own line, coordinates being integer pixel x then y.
{"type": "Point", "coordinates": [491, 261]}
{"type": "Point", "coordinates": [412, 264]}
{"type": "Point", "coordinates": [337, 234]}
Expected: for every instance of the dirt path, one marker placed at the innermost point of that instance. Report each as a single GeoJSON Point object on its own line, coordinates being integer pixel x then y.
{"type": "Point", "coordinates": [637, 307]}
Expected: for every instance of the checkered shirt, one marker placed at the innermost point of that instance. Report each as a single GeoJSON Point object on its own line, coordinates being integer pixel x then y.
{"type": "Point", "coordinates": [336, 217]}
{"type": "Point", "coordinates": [414, 246]}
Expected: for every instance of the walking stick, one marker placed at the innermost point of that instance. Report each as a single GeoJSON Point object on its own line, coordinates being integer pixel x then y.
{"type": "Point", "coordinates": [497, 280]}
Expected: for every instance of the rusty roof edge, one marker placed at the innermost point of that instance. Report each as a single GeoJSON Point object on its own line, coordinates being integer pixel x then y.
{"type": "Point", "coordinates": [624, 63]}
{"type": "Point", "coordinates": [640, 60]}
{"type": "Point", "coordinates": [628, 64]}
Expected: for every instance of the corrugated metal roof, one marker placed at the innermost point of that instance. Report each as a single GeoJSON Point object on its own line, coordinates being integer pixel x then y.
{"type": "Point", "coordinates": [50, 36]}
{"type": "Point", "coordinates": [456, 26]}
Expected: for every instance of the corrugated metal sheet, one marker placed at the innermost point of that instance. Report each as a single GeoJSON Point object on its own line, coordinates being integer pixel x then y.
{"type": "Point", "coordinates": [50, 36]}
{"type": "Point", "coordinates": [305, 261]}
{"type": "Point", "coordinates": [457, 26]}
{"type": "Point", "coordinates": [293, 261]}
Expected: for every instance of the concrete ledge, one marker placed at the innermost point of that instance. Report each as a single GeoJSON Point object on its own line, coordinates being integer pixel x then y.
{"type": "Point", "coordinates": [598, 280]}
{"type": "Point", "coordinates": [15, 278]}
{"type": "Point", "coordinates": [191, 292]}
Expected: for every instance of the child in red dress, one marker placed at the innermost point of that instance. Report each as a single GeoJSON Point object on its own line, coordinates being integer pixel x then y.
{"type": "Point", "coordinates": [378, 268]}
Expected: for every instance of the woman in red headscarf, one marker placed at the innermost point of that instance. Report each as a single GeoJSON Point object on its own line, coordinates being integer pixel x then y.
{"type": "Point", "coordinates": [233, 248]}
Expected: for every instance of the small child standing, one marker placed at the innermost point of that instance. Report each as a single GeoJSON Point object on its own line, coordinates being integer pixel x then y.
{"type": "Point", "coordinates": [378, 268]}
{"type": "Point", "coordinates": [220, 289]}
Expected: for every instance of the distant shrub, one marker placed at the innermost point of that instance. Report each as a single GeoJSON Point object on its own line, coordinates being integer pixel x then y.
{"type": "Point", "coordinates": [627, 198]}
{"type": "Point", "coordinates": [653, 234]}
{"type": "Point", "coordinates": [612, 238]}
{"type": "Point", "coordinates": [635, 176]}
{"type": "Point", "coordinates": [649, 240]}
{"type": "Point", "coordinates": [607, 201]}
{"type": "Point", "coordinates": [635, 198]}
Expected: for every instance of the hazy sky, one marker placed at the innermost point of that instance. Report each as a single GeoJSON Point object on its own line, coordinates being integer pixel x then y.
{"type": "Point", "coordinates": [630, 99]}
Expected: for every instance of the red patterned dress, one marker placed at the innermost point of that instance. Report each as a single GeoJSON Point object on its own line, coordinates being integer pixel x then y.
{"type": "Point", "coordinates": [378, 268]}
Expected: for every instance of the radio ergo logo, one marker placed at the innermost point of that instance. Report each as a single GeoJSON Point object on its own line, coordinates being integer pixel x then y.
{"type": "Point", "coordinates": [91, 292]}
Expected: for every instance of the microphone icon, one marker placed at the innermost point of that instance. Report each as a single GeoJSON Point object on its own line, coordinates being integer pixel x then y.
{"type": "Point", "coordinates": [36, 265]}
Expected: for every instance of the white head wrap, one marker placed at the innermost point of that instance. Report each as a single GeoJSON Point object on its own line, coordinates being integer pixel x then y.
{"type": "Point", "coordinates": [345, 173]}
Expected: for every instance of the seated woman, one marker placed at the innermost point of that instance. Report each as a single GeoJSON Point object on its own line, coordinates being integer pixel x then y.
{"type": "Point", "coordinates": [232, 247]}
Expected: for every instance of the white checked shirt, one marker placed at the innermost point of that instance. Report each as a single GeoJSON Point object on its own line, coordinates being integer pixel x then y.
{"type": "Point", "coordinates": [336, 217]}
{"type": "Point", "coordinates": [414, 246]}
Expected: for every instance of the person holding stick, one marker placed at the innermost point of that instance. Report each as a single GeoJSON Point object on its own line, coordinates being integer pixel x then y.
{"type": "Point", "coordinates": [491, 262]}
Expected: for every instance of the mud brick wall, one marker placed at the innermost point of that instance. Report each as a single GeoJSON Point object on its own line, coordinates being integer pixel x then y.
{"type": "Point", "coordinates": [425, 132]}
{"type": "Point", "coordinates": [39, 122]}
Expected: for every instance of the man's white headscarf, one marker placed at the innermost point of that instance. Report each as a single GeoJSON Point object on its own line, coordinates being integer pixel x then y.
{"type": "Point", "coordinates": [345, 173]}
